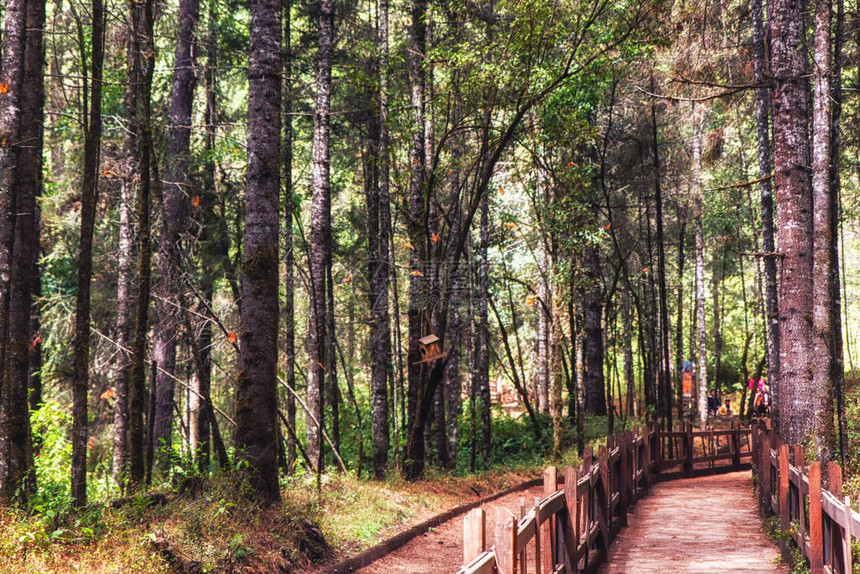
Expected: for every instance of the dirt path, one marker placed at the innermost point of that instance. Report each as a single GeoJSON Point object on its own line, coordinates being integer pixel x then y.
{"type": "Point", "coordinates": [441, 550]}
{"type": "Point", "coordinates": [702, 525]}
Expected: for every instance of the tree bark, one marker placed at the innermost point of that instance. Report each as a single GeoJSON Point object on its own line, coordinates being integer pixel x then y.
{"type": "Point", "coordinates": [177, 188]}
{"type": "Point", "coordinates": [16, 447]}
{"type": "Point", "coordinates": [799, 399]}
{"type": "Point", "coordinates": [142, 55]}
{"type": "Point", "coordinates": [702, 356]}
{"type": "Point", "coordinates": [289, 257]}
{"type": "Point", "coordinates": [257, 394]}
{"type": "Point", "coordinates": [319, 236]}
{"type": "Point", "coordinates": [595, 383]}
{"type": "Point", "coordinates": [484, 331]}
{"type": "Point", "coordinates": [418, 287]}
{"type": "Point", "coordinates": [824, 358]}
{"type": "Point", "coordinates": [762, 105]}
{"type": "Point", "coordinates": [89, 197]}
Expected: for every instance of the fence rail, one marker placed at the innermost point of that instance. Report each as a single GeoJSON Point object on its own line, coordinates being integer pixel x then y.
{"type": "Point", "coordinates": [573, 526]}
{"type": "Point", "coordinates": [818, 519]}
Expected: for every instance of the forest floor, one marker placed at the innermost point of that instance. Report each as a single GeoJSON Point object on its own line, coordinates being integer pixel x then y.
{"type": "Point", "coordinates": [205, 531]}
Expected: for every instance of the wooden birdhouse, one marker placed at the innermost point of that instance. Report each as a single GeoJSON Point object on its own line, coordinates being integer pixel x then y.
{"type": "Point", "coordinates": [430, 348]}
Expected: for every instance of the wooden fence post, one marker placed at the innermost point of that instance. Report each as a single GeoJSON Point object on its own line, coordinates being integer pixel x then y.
{"type": "Point", "coordinates": [623, 477]}
{"type": "Point", "coordinates": [834, 486]}
{"type": "Point", "coordinates": [688, 449]}
{"type": "Point", "coordinates": [646, 454]}
{"type": "Point", "coordinates": [571, 529]}
{"type": "Point", "coordinates": [765, 476]}
{"type": "Point", "coordinates": [846, 537]}
{"type": "Point", "coordinates": [631, 468]}
{"type": "Point", "coordinates": [506, 541]}
{"type": "Point", "coordinates": [736, 445]}
{"type": "Point", "coordinates": [784, 515]}
{"type": "Point", "coordinates": [603, 494]}
{"type": "Point", "coordinates": [816, 541]}
{"type": "Point", "coordinates": [801, 507]}
{"type": "Point", "coordinates": [550, 485]}
{"type": "Point", "coordinates": [474, 534]}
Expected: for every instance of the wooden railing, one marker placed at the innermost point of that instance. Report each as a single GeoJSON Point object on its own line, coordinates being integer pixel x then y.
{"type": "Point", "coordinates": [570, 527]}
{"type": "Point", "coordinates": [817, 519]}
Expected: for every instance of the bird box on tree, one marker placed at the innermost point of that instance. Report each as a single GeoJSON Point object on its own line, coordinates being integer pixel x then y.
{"type": "Point", "coordinates": [429, 348]}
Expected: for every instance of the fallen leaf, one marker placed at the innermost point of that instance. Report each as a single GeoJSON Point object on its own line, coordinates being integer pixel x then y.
{"type": "Point", "coordinates": [416, 273]}
{"type": "Point", "coordinates": [4, 88]}
{"type": "Point", "coordinates": [348, 279]}
{"type": "Point", "coordinates": [108, 394]}
{"type": "Point", "coordinates": [231, 337]}
{"type": "Point", "coordinates": [434, 237]}
{"type": "Point", "coordinates": [410, 246]}
{"type": "Point", "coordinates": [195, 201]}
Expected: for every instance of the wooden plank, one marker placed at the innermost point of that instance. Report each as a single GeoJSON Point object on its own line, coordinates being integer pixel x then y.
{"type": "Point", "coordinates": [506, 541]}
{"type": "Point", "coordinates": [483, 564]}
{"type": "Point", "coordinates": [688, 450]}
{"type": "Point", "coordinates": [846, 537]}
{"type": "Point", "coordinates": [526, 530]}
{"type": "Point", "coordinates": [552, 504]}
{"type": "Point", "coordinates": [834, 487]}
{"type": "Point", "coordinates": [550, 487]}
{"type": "Point", "coordinates": [816, 542]}
{"type": "Point", "coordinates": [784, 515]}
{"type": "Point", "coordinates": [603, 498]}
{"type": "Point", "coordinates": [800, 462]}
{"type": "Point", "coordinates": [474, 534]}
{"type": "Point", "coordinates": [571, 530]}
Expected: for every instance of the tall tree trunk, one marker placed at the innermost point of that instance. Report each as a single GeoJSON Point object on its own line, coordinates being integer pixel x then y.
{"type": "Point", "coordinates": [30, 188]}
{"type": "Point", "coordinates": [702, 356]}
{"type": "Point", "coordinates": [595, 383]}
{"type": "Point", "coordinates": [483, 372]}
{"type": "Point", "coordinates": [799, 399]}
{"type": "Point", "coordinates": [838, 368]}
{"type": "Point", "coordinates": [257, 393]}
{"type": "Point", "coordinates": [627, 344]}
{"type": "Point", "coordinates": [13, 459]}
{"type": "Point", "coordinates": [289, 258]}
{"type": "Point", "coordinates": [665, 385]}
{"type": "Point", "coordinates": [679, 325]}
{"type": "Point", "coordinates": [824, 358]}
{"type": "Point", "coordinates": [762, 110]}
{"type": "Point", "coordinates": [177, 187]}
{"type": "Point", "coordinates": [320, 222]}
{"type": "Point", "coordinates": [16, 447]}
{"type": "Point", "coordinates": [142, 53]}
{"type": "Point", "coordinates": [89, 196]}
{"type": "Point", "coordinates": [543, 329]}
{"type": "Point", "coordinates": [717, 277]}
{"type": "Point", "coordinates": [417, 375]}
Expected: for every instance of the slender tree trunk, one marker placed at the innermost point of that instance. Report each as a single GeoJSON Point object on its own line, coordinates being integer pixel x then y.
{"type": "Point", "coordinates": [27, 230]}
{"type": "Point", "coordinates": [418, 287]}
{"type": "Point", "coordinates": [143, 55]}
{"type": "Point", "coordinates": [627, 344]}
{"type": "Point", "coordinates": [762, 105]}
{"type": "Point", "coordinates": [717, 279]}
{"type": "Point", "coordinates": [595, 383]}
{"type": "Point", "coordinates": [702, 356]}
{"type": "Point", "coordinates": [257, 394]}
{"type": "Point", "coordinates": [543, 359]}
{"type": "Point", "coordinates": [173, 215]}
{"type": "Point", "coordinates": [679, 325]}
{"type": "Point", "coordinates": [89, 197]}
{"type": "Point", "coordinates": [579, 343]}
{"type": "Point", "coordinates": [12, 458]}
{"type": "Point", "coordinates": [799, 399]}
{"type": "Point", "coordinates": [838, 368]}
{"type": "Point", "coordinates": [665, 386]}
{"type": "Point", "coordinates": [824, 358]}
{"type": "Point", "coordinates": [289, 258]}
{"type": "Point", "coordinates": [17, 447]}
{"type": "Point", "coordinates": [484, 331]}
{"type": "Point", "coordinates": [320, 222]}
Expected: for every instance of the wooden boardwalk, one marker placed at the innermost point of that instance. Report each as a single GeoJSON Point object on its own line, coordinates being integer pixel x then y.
{"type": "Point", "coordinates": [704, 525]}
